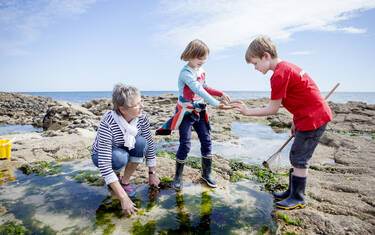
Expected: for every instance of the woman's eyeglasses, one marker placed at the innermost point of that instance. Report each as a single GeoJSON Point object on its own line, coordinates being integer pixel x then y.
{"type": "Point", "coordinates": [138, 105]}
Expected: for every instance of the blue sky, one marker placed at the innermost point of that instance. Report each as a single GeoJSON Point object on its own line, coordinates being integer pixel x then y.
{"type": "Point", "coordinates": [89, 45]}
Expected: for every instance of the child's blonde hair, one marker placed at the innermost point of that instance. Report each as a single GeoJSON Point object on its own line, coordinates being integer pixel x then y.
{"type": "Point", "coordinates": [195, 49]}
{"type": "Point", "coordinates": [260, 45]}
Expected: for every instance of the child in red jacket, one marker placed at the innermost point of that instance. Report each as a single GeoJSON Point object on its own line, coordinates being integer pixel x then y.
{"type": "Point", "coordinates": [297, 92]}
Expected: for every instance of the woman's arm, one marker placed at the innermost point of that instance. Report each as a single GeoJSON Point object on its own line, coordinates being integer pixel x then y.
{"type": "Point", "coordinates": [105, 166]}
{"type": "Point", "coordinates": [150, 152]}
{"type": "Point", "coordinates": [105, 152]}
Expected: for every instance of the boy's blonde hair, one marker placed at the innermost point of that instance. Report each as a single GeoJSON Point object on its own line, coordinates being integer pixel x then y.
{"type": "Point", "coordinates": [195, 49]}
{"type": "Point", "coordinates": [260, 45]}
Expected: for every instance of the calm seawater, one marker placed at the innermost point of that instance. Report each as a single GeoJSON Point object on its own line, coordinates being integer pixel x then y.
{"type": "Point", "coordinates": [84, 96]}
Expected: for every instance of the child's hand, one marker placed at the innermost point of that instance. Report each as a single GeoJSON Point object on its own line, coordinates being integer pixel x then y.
{"type": "Point", "coordinates": [225, 107]}
{"type": "Point", "coordinates": [226, 97]}
{"type": "Point", "coordinates": [293, 130]}
{"type": "Point", "coordinates": [240, 106]}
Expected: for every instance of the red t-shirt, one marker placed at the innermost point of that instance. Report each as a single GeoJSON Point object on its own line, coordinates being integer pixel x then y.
{"type": "Point", "coordinates": [300, 96]}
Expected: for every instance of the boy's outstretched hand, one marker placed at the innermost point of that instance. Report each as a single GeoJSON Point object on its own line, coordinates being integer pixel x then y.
{"type": "Point", "coordinates": [224, 107]}
{"type": "Point", "coordinates": [240, 106]}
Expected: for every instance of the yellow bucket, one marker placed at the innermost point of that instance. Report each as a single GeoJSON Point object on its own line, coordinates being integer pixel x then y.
{"type": "Point", "coordinates": [5, 148]}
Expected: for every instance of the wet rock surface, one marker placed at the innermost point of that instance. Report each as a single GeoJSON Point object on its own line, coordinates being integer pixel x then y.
{"type": "Point", "coordinates": [341, 184]}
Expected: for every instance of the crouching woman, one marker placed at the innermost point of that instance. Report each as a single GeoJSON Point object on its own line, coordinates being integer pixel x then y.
{"type": "Point", "coordinates": [124, 140]}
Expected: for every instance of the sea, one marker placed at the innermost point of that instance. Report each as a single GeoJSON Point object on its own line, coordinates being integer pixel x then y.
{"type": "Point", "coordinates": [81, 97]}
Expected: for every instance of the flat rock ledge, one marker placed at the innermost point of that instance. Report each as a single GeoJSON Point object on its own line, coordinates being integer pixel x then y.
{"type": "Point", "coordinates": [341, 182]}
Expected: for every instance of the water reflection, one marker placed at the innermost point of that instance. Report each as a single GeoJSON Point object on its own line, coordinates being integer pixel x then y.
{"type": "Point", "coordinates": [6, 176]}
{"type": "Point", "coordinates": [59, 204]}
{"type": "Point", "coordinates": [186, 226]}
{"type": "Point", "coordinates": [255, 144]}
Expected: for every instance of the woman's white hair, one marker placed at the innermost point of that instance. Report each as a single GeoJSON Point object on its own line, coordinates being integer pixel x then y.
{"type": "Point", "coordinates": [123, 95]}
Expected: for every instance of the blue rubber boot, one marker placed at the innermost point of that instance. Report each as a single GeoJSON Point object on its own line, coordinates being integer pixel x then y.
{"type": "Point", "coordinates": [206, 172]}
{"type": "Point", "coordinates": [296, 197]}
{"type": "Point", "coordinates": [283, 195]}
{"type": "Point", "coordinates": [177, 182]}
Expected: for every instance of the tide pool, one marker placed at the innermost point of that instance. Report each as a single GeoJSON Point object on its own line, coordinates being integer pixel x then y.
{"type": "Point", "coordinates": [255, 144]}
{"type": "Point", "coordinates": [59, 204]}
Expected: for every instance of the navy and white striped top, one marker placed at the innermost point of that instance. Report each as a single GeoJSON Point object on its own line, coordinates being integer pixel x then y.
{"type": "Point", "coordinates": [109, 135]}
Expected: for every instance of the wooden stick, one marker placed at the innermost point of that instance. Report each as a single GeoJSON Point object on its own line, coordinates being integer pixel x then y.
{"type": "Point", "coordinates": [286, 142]}
{"type": "Point", "coordinates": [326, 98]}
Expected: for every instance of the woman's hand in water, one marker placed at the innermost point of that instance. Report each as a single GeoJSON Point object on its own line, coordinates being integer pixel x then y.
{"type": "Point", "coordinates": [128, 207]}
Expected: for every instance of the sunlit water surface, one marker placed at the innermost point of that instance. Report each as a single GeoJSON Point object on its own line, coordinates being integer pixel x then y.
{"type": "Point", "coordinates": [59, 204]}
{"type": "Point", "coordinates": [6, 129]}
{"type": "Point", "coordinates": [255, 144]}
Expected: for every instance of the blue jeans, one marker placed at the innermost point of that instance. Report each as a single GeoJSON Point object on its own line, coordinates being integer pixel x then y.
{"type": "Point", "coordinates": [121, 156]}
{"type": "Point", "coordinates": [201, 127]}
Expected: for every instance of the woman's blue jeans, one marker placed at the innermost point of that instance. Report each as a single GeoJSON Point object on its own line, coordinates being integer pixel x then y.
{"type": "Point", "coordinates": [121, 156]}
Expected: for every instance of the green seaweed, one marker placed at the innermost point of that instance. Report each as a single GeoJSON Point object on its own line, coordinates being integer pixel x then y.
{"type": "Point", "coordinates": [166, 154]}
{"type": "Point", "coordinates": [89, 178]}
{"type": "Point", "coordinates": [65, 160]}
{"type": "Point", "coordinates": [106, 210]}
{"type": "Point", "coordinates": [351, 178]}
{"type": "Point", "coordinates": [236, 165]}
{"type": "Point", "coordinates": [13, 228]}
{"type": "Point", "coordinates": [349, 132]}
{"type": "Point", "coordinates": [263, 230]}
{"type": "Point", "coordinates": [109, 229]}
{"type": "Point", "coordinates": [289, 220]}
{"type": "Point", "coordinates": [139, 229]}
{"type": "Point", "coordinates": [168, 139]}
{"type": "Point", "coordinates": [42, 168]}
{"type": "Point", "coordinates": [28, 227]}
{"type": "Point", "coordinates": [193, 162]}
{"type": "Point", "coordinates": [270, 180]}
{"type": "Point", "coordinates": [237, 176]}
{"type": "Point", "coordinates": [324, 169]}
{"type": "Point", "coordinates": [260, 174]}
{"type": "Point", "coordinates": [166, 179]}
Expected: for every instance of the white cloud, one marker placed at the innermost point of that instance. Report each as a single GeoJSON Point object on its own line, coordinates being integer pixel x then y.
{"type": "Point", "coordinates": [21, 22]}
{"type": "Point", "coordinates": [301, 53]}
{"type": "Point", "coordinates": [353, 30]}
{"type": "Point", "coordinates": [223, 24]}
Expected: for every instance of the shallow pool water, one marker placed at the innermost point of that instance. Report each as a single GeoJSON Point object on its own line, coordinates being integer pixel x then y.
{"type": "Point", "coordinates": [59, 204]}
{"type": "Point", "coordinates": [255, 144]}
{"type": "Point", "coordinates": [6, 129]}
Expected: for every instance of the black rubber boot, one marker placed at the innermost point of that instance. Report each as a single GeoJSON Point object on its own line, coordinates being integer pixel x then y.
{"type": "Point", "coordinates": [177, 183]}
{"type": "Point", "coordinates": [283, 195]}
{"type": "Point", "coordinates": [206, 172]}
{"type": "Point", "coordinates": [296, 197]}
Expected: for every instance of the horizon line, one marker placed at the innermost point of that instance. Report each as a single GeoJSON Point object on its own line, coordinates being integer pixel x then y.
{"type": "Point", "coordinates": [169, 91]}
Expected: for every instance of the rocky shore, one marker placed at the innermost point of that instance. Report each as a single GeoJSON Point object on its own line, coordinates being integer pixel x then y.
{"type": "Point", "coordinates": [341, 183]}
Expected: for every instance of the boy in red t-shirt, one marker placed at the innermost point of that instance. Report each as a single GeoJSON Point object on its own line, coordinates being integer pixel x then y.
{"type": "Point", "coordinates": [298, 93]}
